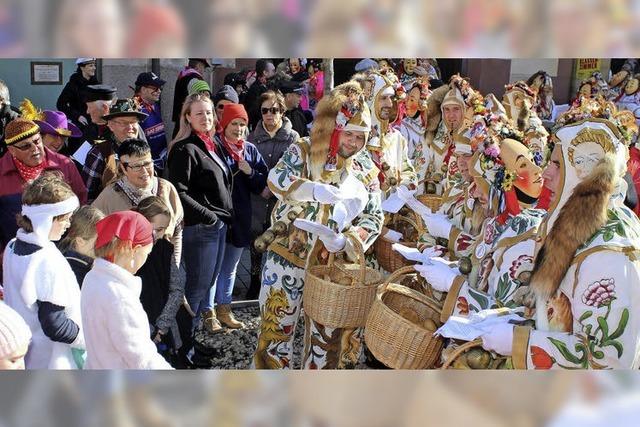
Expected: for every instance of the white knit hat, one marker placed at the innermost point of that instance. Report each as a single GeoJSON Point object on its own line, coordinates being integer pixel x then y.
{"type": "Point", "coordinates": [14, 332]}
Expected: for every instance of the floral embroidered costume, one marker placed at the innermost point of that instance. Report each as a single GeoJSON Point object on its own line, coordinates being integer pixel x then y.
{"type": "Point", "coordinates": [308, 169]}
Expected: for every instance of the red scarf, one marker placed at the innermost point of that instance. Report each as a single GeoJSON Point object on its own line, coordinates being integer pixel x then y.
{"type": "Point", "coordinates": [208, 142]}
{"type": "Point", "coordinates": [29, 173]}
{"type": "Point", "coordinates": [235, 149]}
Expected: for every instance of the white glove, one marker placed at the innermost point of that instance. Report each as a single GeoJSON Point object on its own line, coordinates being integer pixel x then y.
{"type": "Point", "coordinates": [499, 339]}
{"type": "Point", "coordinates": [404, 193]}
{"type": "Point", "coordinates": [334, 243]}
{"type": "Point", "coordinates": [438, 273]}
{"type": "Point", "coordinates": [326, 194]}
{"type": "Point", "coordinates": [83, 120]}
{"type": "Point", "coordinates": [433, 251]}
{"type": "Point", "coordinates": [438, 225]}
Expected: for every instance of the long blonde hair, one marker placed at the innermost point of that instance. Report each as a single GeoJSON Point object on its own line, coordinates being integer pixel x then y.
{"type": "Point", "coordinates": [185, 128]}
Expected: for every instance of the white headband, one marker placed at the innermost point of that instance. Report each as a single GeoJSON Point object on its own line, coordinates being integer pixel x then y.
{"type": "Point", "coordinates": [41, 216]}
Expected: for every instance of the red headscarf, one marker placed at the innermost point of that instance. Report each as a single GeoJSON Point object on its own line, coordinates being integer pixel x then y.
{"type": "Point", "coordinates": [128, 226]}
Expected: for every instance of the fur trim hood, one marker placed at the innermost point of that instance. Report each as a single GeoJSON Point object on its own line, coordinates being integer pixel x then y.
{"type": "Point", "coordinates": [325, 123]}
{"type": "Point", "coordinates": [584, 213]}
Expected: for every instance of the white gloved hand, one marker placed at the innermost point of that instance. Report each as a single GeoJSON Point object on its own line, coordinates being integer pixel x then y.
{"type": "Point", "coordinates": [326, 194]}
{"type": "Point", "coordinates": [334, 243]}
{"type": "Point", "coordinates": [438, 225]}
{"type": "Point", "coordinates": [83, 120]}
{"type": "Point", "coordinates": [438, 274]}
{"type": "Point", "coordinates": [433, 251]}
{"type": "Point", "coordinates": [499, 339]}
{"type": "Point", "coordinates": [404, 193]}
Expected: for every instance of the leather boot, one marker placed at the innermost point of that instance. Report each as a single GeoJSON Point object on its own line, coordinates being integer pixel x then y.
{"type": "Point", "coordinates": [225, 316]}
{"type": "Point", "coordinates": [210, 322]}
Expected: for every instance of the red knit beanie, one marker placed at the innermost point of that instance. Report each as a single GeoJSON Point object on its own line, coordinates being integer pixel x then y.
{"type": "Point", "coordinates": [232, 111]}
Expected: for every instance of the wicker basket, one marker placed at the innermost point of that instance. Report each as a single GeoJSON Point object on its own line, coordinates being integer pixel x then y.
{"type": "Point", "coordinates": [431, 201]}
{"type": "Point", "coordinates": [395, 341]}
{"type": "Point", "coordinates": [463, 348]}
{"type": "Point", "coordinates": [339, 306]}
{"type": "Point", "coordinates": [389, 259]}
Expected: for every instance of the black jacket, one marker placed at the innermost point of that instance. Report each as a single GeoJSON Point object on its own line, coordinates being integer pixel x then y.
{"type": "Point", "coordinates": [203, 182]}
{"type": "Point", "coordinates": [180, 93]}
{"type": "Point", "coordinates": [251, 102]}
{"type": "Point", "coordinates": [71, 99]}
{"type": "Point", "coordinates": [298, 121]}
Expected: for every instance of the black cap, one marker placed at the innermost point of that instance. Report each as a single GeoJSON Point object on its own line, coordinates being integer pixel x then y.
{"type": "Point", "coordinates": [149, 79]}
{"type": "Point", "coordinates": [99, 93]}
{"type": "Point", "coordinates": [291, 87]}
{"type": "Point", "coordinates": [205, 61]}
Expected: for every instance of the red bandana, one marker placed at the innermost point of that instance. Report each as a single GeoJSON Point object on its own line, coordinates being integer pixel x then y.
{"type": "Point", "coordinates": [208, 142]}
{"type": "Point", "coordinates": [235, 149]}
{"type": "Point", "coordinates": [29, 173]}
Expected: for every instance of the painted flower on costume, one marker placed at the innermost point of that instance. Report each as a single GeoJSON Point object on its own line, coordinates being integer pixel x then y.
{"type": "Point", "coordinates": [463, 306]}
{"type": "Point", "coordinates": [599, 293]}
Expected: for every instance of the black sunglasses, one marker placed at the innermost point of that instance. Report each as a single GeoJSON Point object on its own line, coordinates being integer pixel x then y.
{"type": "Point", "coordinates": [272, 110]}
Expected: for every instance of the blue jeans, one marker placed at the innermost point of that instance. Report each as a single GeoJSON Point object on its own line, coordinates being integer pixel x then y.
{"type": "Point", "coordinates": [202, 252]}
{"type": "Point", "coordinates": [227, 276]}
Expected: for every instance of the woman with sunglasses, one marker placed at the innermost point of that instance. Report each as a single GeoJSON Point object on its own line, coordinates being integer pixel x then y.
{"type": "Point", "coordinates": [137, 181]}
{"type": "Point", "coordinates": [272, 136]}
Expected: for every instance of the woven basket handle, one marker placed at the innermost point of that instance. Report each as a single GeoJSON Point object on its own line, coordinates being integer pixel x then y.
{"type": "Point", "coordinates": [361, 260]}
{"type": "Point", "coordinates": [460, 350]}
{"type": "Point", "coordinates": [392, 287]}
{"type": "Point", "coordinates": [415, 224]}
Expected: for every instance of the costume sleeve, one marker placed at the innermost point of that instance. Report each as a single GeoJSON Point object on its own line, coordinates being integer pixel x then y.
{"type": "Point", "coordinates": [408, 175]}
{"type": "Point", "coordinates": [181, 167]}
{"type": "Point", "coordinates": [129, 334]}
{"type": "Point", "coordinates": [462, 299]}
{"type": "Point", "coordinates": [287, 180]}
{"type": "Point", "coordinates": [55, 323]}
{"type": "Point", "coordinates": [461, 244]}
{"type": "Point", "coordinates": [177, 279]}
{"type": "Point", "coordinates": [368, 225]}
{"type": "Point", "coordinates": [603, 313]}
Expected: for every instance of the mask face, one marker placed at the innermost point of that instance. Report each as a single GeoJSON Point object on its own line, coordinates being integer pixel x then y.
{"type": "Point", "coordinates": [519, 159]}
{"type": "Point", "coordinates": [585, 90]}
{"type": "Point", "coordinates": [631, 87]}
{"type": "Point", "coordinates": [410, 65]}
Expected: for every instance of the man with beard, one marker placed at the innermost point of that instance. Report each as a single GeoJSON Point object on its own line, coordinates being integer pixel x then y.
{"type": "Point", "coordinates": [308, 182]}
{"type": "Point", "coordinates": [446, 109]}
{"type": "Point", "coordinates": [386, 145]}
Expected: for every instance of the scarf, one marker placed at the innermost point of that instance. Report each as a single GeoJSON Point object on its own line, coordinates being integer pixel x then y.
{"type": "Point", "coordinates": [208, 141]}
{"type": "Point", "coordinates": [29, 173]}
{"type": "Point", "coordinates": [235, 149]}
{"type": "Point", "coordinates": [136, 194]}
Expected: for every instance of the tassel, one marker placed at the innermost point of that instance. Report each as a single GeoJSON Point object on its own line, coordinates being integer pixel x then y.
{"type": "Point", "coordinates": [512, 206]}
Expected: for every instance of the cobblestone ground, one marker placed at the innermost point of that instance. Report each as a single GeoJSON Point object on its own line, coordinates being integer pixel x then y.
{"type": "Point", "coordinates": [233, 349]}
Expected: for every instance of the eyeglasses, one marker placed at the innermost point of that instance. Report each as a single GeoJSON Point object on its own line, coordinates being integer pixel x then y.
{"type": "Point", "coordinates": [138, 166]}
{"type": "Point", "coordinates": [154, 88]}
{"type": "Point", "coordinates": [272, 110]}
{"type": "Point", "coordinates": [28, 145]}
{"type": "Point", "coordinates": [125, 124]}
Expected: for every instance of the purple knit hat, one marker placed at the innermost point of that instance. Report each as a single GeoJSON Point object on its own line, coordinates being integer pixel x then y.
{"type": "Point", "coordinates": [56, 123]}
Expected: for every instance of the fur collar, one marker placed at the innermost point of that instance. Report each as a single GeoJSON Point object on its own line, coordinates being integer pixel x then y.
{"type": "Point", "coordinates": [582, 215]}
